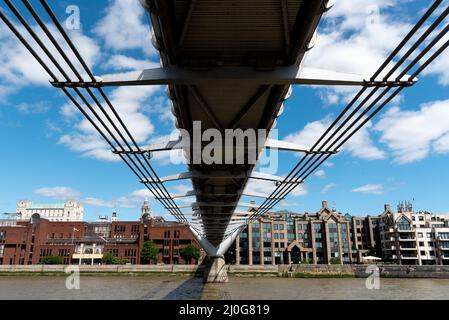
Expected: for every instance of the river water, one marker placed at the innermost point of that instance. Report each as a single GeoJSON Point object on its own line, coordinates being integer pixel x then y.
{"type": "Point", "coordinates": [186, 288]}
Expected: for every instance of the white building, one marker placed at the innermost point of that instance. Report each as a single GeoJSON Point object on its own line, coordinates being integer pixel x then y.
{"type": "Point", "coordinates": [72, 210]}
{"type": "Point", "coordinates": [415, 238]}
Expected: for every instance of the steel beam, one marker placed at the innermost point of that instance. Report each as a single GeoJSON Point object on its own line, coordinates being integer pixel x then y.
{"type": "Point", "coordinates": [169, 145]}
{"type": "Point", "coordinates": [221, 175]}
{"type": "Point", "coordinates": [290, 75]}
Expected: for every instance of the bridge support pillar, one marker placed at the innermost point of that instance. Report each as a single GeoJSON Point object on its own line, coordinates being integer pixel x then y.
{"type": "Point", "coordinates": [216, 271]}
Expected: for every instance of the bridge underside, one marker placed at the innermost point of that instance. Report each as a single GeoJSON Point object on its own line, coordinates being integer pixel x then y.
{"type": "Point", "coordinates": [205, 35]}
{"type": "Point", "coordinates": [228, 65]}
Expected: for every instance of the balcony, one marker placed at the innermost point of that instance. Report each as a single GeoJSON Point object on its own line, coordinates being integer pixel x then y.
{"type": "Point", "coordinates": [87, 256]}
{"type": "Point", "coordinates": [408, 248]}
{"type": "Point", "coordinates": [407, 239]}
{"type": "Point", "coordinates": [409, 256]}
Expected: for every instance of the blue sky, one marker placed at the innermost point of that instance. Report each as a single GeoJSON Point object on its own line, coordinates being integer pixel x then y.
{"type": "Point", "coordinates": [49, 153]}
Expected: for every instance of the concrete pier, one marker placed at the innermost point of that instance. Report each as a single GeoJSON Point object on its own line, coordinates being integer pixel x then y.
{"type": "Point", "coordinates": [216, 271]}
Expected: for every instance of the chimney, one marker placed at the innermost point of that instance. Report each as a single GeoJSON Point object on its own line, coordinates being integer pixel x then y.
{"type": "Point", "coordinates": [324, 203]}
{"type": "Point", "coordinates": [387, 207]}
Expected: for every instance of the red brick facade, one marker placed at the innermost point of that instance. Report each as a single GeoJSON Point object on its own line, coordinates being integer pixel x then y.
{"type": "Point", "coordinates": [29, 242]}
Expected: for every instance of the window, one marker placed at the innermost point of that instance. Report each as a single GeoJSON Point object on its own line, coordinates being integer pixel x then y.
{"type": "Point", "coordinates": [429, 235]}
{"type": "Point", "coordinates": [443, 235]}
{"type": "Point", "coordinates": [421, 218]}
{"type": "Point", "coordinates": [423, 253]}
{"type": "Point", "coordinates": [281, 235]}
{"type": "Point", "coordinates": [421, 244]}
{"type": "Point", "coordinates": [281, 227]}
{"type": "Point", "coordinates": [275, 226]}
{"type": "Point", "coordinates": [419, 234]}
{"type": "Point", "coordinates": [276, 235]}
{"type": "Point", "coordinates": [403, 224]}
{"type": "Point", "coordinates": [299, 226]}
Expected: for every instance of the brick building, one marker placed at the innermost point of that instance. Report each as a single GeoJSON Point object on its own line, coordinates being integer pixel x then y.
{"type": "Point", "coordinates": [28, 242]}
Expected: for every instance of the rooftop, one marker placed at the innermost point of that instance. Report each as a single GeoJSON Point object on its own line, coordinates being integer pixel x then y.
{"type": "Point", "coordinates": [45, 206]}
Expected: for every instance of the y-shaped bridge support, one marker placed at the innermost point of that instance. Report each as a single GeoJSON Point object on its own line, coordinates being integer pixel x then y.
{"type": "Point", "coordinates": [216, 269]}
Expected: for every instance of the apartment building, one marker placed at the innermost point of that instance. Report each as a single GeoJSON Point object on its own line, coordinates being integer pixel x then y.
{"type": "Point", "coordinates": [414, 238]}
{"type": "Point", "coordinates": [285, 237]}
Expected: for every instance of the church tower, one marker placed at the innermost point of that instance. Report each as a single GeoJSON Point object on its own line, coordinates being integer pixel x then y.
{"type": "Point", "coordinates": [146, 213]}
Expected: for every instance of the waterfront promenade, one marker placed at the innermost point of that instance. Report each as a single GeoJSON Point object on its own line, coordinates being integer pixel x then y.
{"type": "Point", "coordinates": [288, 271]}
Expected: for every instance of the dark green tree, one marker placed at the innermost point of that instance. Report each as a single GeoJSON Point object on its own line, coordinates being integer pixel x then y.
{"type": "Point", "coordinates": [110, 258]}
{"type": "Point", "coordinates": [149, 252]}
{"type": "Point", "coordinates": [190, 251]}
{"type": "Point", "coordinates": [53, 260]}
{"type": "Point", "coordinates": [307, 261]}
{"type": "Point", "coordinates": [335, 261]}
{"type": "Point", "coordinates": [371, 252]}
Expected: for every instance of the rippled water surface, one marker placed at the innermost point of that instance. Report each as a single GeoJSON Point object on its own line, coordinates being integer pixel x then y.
{"type": "Point", "coordinates": [179, 287]}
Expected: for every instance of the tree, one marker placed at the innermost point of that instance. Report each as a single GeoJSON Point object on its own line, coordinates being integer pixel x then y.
{"type": "Point", "coordinates": [190, 251]}
{"type": "Point", "coordinates": [371, 252]}
{"type": "Point", "coordinates": [307, 261]}
{"type": "Point", "coordinates": [53, 260]}
{"type": "Point", "coordinates": [149, 252]}
{"type": "Point", "coordinates": [335, 261]}
{"type": "Point", "coordinates": [110, 258]}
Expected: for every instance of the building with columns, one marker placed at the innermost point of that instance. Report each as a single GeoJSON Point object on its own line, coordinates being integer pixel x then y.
{"type": "Point", "coordinates": [70, 211]}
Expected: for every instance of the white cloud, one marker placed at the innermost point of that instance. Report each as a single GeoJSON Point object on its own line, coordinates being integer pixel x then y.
{"type": "Point", "coordinates": [122, 62]}
{"type": "Point", "coordinates": [376, 189]}
{"type": "Point", "coordinates": [320, 173]}
{"type": "Point", "coordinates": [129, 102]}
{"type": "Point", "coordinates": [360, 145]}
{"type": "Point", "coordinates": [328, 187]}
{"type": "Point", "coordinates": [68, 111]}
{"type": "Point", "coordinates": [328, 164]}
{"type": "Point", "coordinates": [267, 187]}
{"type": "Point", "coordinates": [124, 27]}
{"type": "Point", "coordinates": [61, 193]}
{"type": "Point", "coordinates": [356, 38]}
{"type": "Point", "coordinates": [412, 135]}
{"type": "Point", "coordinates": [34, 108]}
{"type": "Point", "coordinates": [20, 69]}
{"type": "Point", "coordinates": [133, 200]}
